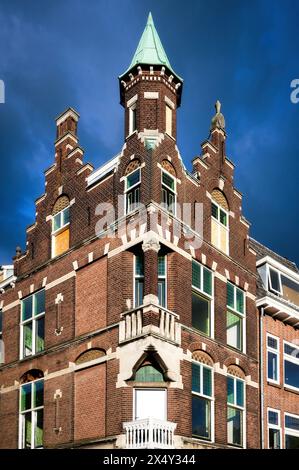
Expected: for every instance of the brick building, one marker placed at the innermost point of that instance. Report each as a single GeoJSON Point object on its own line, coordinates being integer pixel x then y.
{"type": "Point", "coordinates": [127, 325]}
{"type": "Point", "coordinates": [278, 305]}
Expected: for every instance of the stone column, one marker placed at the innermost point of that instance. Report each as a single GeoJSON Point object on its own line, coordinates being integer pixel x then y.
{"type": "Point", "coordinates": [151, 247]}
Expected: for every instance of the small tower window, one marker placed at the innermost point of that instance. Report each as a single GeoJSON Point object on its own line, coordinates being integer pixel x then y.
{"type": "Point", "coordinates": [168, 120]}
{"type": "Point", "coordinates": [168, 191]}
{"type": "Point", "coordinates": [132, 190]}
{"type": "Point", "coordinates": [138, 280]}
{"type": "Point", "coordinates": [61, 226]}
{"type": "Point", "coordinates": [132, 119]}
{"type": "Point", "coordinates": [162, 292]}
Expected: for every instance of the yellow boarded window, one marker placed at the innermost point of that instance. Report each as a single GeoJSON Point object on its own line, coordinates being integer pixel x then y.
{"type": "Point", "coordinates": [168, 120]}
{"type": "Point", "coordinates": [214, 235]}
{"type": "Point", "coordinates": [61, 242]}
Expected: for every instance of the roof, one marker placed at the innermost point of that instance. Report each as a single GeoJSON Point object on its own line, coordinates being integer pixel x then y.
{"type": "Point", "coordinates": [262, 251]}
{"type": "Point", "coordinates": [150, 50]}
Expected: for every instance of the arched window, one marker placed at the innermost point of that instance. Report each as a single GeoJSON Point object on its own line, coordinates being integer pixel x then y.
{"type": "Point", "coordinates": [220, 221]}
{"type": "Point", "coordinates": [31, 410]}
{"type": "Point", "coordinates": [168, 181]}
{"type": "Point", "coordinates": [235, 406]}
{"type": "Point", "coordinates": [202, 396]}
{"type": "Point", "coordinates": [132, 186]}
{"type": "Point", "coordinates": [61, 226]}
{"type": "Point", "coordinates": [148, 373]}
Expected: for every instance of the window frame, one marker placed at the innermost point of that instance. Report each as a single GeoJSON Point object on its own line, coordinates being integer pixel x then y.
{"type": "Point", "coordinates": [163, 278]}
{"type": "Point", "coordinates": [236, 312]}
{"type": "Point", "coordinates": [290, 359]}
{"type": "Point", "coordinates": [135, 278]}
{"type": "Point", "coordinates": [166, 188]}
{"type": "Point", "coordinates": [237, 407]}
{"type": "Point", "coordinates": [277, 353]}
{"type": "Point", "coordinates": [220, 224]}
{"type": "Point", "coordinates": [33, 412]}
{"type": "Point", "coordinates": [132, 113]}
{"type": "Point", "coordinates": [205, 295]}
{"type": "Point", "coordinates": [290, 431]}
{"type": "Point", "coordinates": [33, 319]}
{"type": "Point", "coordinates": [206, 397]}
{"type": "Point", "coordinates": [277, 427]}
{"type": "Point", "coordinates": [61, 229]}
{"type": "Point", "coordinates": [132, 189]}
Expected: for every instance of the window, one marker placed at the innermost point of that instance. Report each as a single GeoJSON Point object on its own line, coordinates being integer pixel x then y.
{"type": "Point", "coordinates": [148, 373]}
{"type": "Point", "coordinates": [168, 191]}
{"type": "Point", "coordinates": [235, 411]}
{"type": "Point", "coordinates": [33, 324]}
{"type": "Point", "coordinates": [31, 414]}
{"type": "Point", "coordinates": [202, 401]}
{"type": "Point", "coordinates": [272, 359]}
{"type": "Point", "coordinates": [168, 120]}
{"type": "Point", "coordinates": [274, 429]}
{"type": "Point", "coordinates": [132, 191]}
{"type": "Point", "coordinates": [291, 365]}
{"type": "Point", "coordinates": [162, 292]}
{"type": "Point", "coordinates": [60, 226]}
{"type": "Point", "coordinates": [291, 424]}
{"type": "Point", "coordinates": [283, 286]}
{"type": "Point", "coordinates": [202, 297]}
{"type": "Point", "coordinates": [235, 317]}
{"type": "Point", "coordinates": [132, 119]}
{"type": "Point", "coordinates": [220, 221]}
{"type": "Point", "coordinates": [138, 280]}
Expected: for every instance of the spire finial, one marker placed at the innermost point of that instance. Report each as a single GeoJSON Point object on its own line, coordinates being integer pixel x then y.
{"type": "Point", "coordinates": [218, 121]}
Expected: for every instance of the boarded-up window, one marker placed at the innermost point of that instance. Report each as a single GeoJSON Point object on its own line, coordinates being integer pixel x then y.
{"type": "Point", "coordinates": [61, 242]}
{"type": "Point", "coordinates": [168, 120]}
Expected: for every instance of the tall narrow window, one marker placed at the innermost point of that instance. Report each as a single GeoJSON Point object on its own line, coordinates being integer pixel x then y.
{"type": "Point", "coordinates": [162, 269]}
{"type": "Point", "coordinates": [132, 119]}
{"type": "Point", "coordinates": [272, 358]}
{"type": "Point", "coordinates": [132, 190]}
{"type": "Point", "coordinates": [168, 191]}
{"type": "Point", "coordinates": [138, 280]}
{"type": "Point", "coordinates": [220, 221]}
{"type": "Point", "coordinates": [61, 226]}
{"type": "Point", "coordinates": [31, 414]}
{"type": "Point", "coordinates": [168, 120]}
{"type": "Point", "coordinates": [291, 425]}
{"type": "Point", "coordinates": [291, 365]}
{"type": "Point", "coordinates": [202, 400]}
{"type": "Point", "coordinates": [274, 429]}
{"type": "Point", "coordinates": [33, 324]}
{"type": "Point", "coordinates": [235, 410]}
{"type": "Point", "coordinates": [202, 298]}
{"type": "Point", "coordinates": [235, 317]}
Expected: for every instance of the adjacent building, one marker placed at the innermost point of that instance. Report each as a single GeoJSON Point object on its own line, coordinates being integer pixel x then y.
{"type": "Point", "coordinates": [131, 321]}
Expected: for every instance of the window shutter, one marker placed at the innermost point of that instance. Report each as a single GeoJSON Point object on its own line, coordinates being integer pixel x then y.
{"type": "Point", "coordinates": [62, 242]}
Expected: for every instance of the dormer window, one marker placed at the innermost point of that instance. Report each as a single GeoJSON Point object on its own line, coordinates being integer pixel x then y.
{"type": "Point", "coordinates": [60, 226]}
{"type": "Point", "coordinates": [282, 285]}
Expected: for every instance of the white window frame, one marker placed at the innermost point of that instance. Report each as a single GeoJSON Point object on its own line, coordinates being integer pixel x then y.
{"type": "Point", "coordinates": [132, 108]}
{"type": "Point", "coordinates": [59, 230]}
{"type": "Point", "coordinates": [289, 431]}
{"type": "Point", "coordinates": [167, 107]}
{"type": "Point", "coordinates": [33, 411]}
{"type": "Point", "coordinates": [136, 389]}
{"type": "Point", "coordinates": [220, 224]}
{"type": "Point", "coordinates": [33, 320]}
{"type": "Point", "coordinates": [241, 315]}
{"type": "Point", "coordinates": [208, 296]}
{"type": "Point", "coordinates": [238, 407]}
{"type": "Point", "coordinates": [135, 277]}
{"type": "Point", "coordinates": [273, 351]}
{"type": "Point", "coordinates": [167, 188]}
{"type": "Point", "coordinates": [277, 427]}
{"type": "Point", "coordinates": [292, 359]}
{"type": "Point", "coordinates": [210, 398]}
{"type": "Point", "coordinates": [134, 187]}
{"type": "Point", "coordinates": [164, 277]}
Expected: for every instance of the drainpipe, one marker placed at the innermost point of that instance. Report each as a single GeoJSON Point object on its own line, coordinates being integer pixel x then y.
{"type": "Point", "coordinates": [262, 314]}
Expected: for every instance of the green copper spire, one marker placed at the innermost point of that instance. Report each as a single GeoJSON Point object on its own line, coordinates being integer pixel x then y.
{"type": "Point", "coordinates": [150, 50]}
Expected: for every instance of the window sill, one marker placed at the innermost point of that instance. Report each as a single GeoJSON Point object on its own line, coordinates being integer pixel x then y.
{"type": "Point", "coordinates": [28, 358]}
{"type": "Point", "coordinates": [289, 389]}
{"type": "Point", "coordinates": [274, 384]}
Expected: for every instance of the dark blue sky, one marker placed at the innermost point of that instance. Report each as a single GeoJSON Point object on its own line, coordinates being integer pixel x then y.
{"type": "Point", "coordinates": [60, 53]}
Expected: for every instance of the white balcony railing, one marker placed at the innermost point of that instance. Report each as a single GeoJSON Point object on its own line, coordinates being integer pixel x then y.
{"type": "Point", "coordinates": [149, 433]}
{"type": "Point", "coordinates": [131, 324]}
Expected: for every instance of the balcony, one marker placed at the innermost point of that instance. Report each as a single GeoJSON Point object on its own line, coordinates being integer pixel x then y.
{"type": "Point", "coordinates": [149, 433]}
{"type": "Point", "coordinates": [149, 320]}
